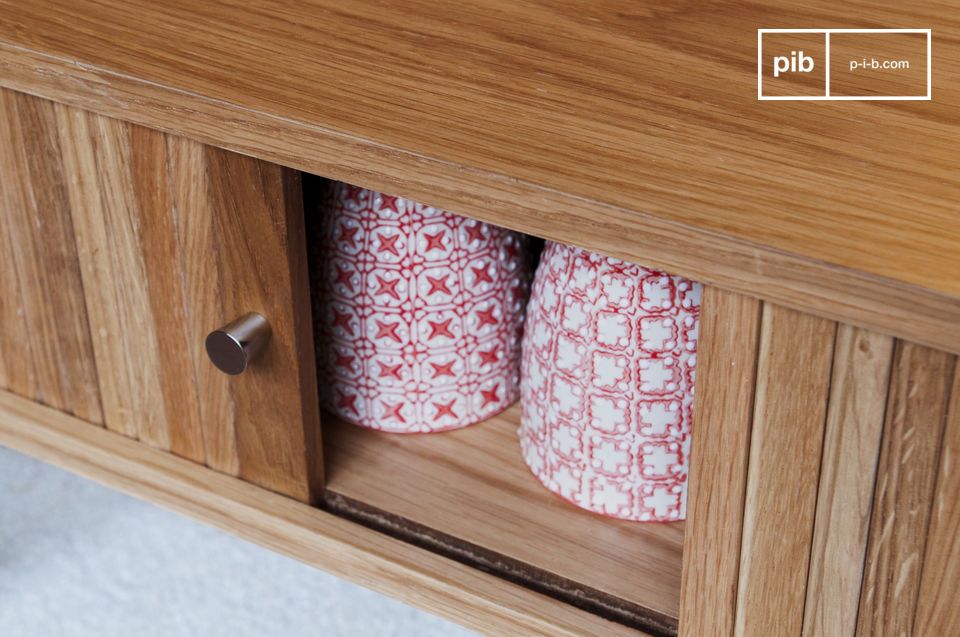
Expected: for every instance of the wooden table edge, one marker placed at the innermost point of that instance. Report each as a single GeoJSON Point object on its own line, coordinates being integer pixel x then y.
{"type": "Point", "coordinates": [828, 290]}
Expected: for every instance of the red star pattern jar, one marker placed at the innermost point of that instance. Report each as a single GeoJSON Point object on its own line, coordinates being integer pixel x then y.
{"type": "Point", "coordinates": [420, 314]}
{"type": "Point", "coordinates": [609, 357]}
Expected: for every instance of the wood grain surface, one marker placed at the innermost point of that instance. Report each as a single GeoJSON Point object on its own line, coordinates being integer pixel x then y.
{"type": "Point", "coordinates": [256, 216]}
{"type": "Point", "coordinates": [415, 576]}
{"type": "Point", "coordinates": [851, 447]}
{"type": "Point", "coordinates": [906, 476]}
{"type": "Point", "coordinates": [793, 380]}
{"type": "Point", "coordinates": [633, 131]}
{"type": "Point", "coordinates": [173, 239]}
{"type": "Point", "coordinates": [45, 346]}
{"type": "Point", "coordinates": [938, 612]}
{"type": "Point", "coordinates": [726, 377]}
{"type": "Point", "coordinates": [97, 156]}
{"type": "Point", "coordinates": [473, 485]}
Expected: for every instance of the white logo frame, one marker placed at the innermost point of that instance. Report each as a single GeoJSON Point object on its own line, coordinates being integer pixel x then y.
{"type": "Point", "coordinates": [827, 96]}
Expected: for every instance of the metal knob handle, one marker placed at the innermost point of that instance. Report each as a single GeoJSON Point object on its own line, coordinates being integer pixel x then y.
{"type": "Point", "coordinates": [233, 346]}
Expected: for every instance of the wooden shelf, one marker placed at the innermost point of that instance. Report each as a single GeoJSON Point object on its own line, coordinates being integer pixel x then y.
{"type": "Point", "coordinates": [469, 494]}
{"type": "Point", "coordinates": [633, 131]}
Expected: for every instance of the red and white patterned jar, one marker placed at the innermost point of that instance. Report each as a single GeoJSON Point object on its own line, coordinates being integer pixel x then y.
{"type": "Point", "coordinates": [421, 313]}
{"type": "Point", "coordinates": [609, 357]}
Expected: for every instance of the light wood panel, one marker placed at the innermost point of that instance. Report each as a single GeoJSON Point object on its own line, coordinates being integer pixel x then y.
{"type": "Point", "coordinates": [906, 474]}
{"type": "Point", "coordinates": [851, 447]}
{"type": "Point", "coordinates": [726, 376]}
{"type": "Point", "coordinates": [415, 576]}
{"type": "Point", "coordinates": [938, 610]}
{"type": "Point", "coordinates": [45, 346]}
{"type": "Point", "coordinates": [159, 214]}
{"type": "Point", "coordinates": [549, 121]}
{"type": "Point", "coordinates": [162, 239]}
{"type": "Point", "coordinates": [793, 379]}
{"type": "Point", "coordinates": [472, 487]}
{"type": "Point", "coordinates": [200, 280]}
{"type": "Point", "coordinates": [97, 157]}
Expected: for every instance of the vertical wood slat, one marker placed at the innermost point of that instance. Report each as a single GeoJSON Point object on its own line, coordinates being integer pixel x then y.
{"type": "Point", "coordinates": [729, 328]}
{"type": "Point", "coordinates": [159, 216]}
{"type": "Point", "coordinates": [98, 156]}
{"type": "Point", "coordinates": [906, 474]}
{"type": "Point", "coordinates": [170, 239]}
{"type": "Point", "coordinates": [938, 610]}
{"type": "Point", "coordinates": [45, 346]}
{"type": "Point", "coordinates": [793, 378]}
{"type": "Point", "coordinates": [202, 284]}
{"type": "Point", "coordinates": [854, 425]}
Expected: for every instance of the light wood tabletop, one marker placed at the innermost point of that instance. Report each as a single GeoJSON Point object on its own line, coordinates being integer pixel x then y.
{"type": "Point", "coordinates": [629, 128]}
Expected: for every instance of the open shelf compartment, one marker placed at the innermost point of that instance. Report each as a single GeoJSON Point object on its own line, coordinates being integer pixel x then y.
{"type": "Point", "coordinates": [468, 494]}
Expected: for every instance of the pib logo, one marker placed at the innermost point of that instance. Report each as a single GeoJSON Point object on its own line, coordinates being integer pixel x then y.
{"type": "Point", "coordinates": [796, 62]}
{"type": "Point", "coordinates": [791, 64]}
{"type": "Point", "coordinates": [844, 64]}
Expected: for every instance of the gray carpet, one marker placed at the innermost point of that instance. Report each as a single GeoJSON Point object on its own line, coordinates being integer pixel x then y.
{"type": "Point", "coordinates": [78, 560]}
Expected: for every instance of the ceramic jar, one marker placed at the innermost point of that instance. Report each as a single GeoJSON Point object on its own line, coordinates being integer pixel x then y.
{"type": "Point", "coordinates": [609, 357]}
{"type": "Point", "coordinates": [420, 313]}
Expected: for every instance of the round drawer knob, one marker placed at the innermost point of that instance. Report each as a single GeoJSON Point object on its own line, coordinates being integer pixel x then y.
{"type": "Point", "coordinates": [233, 346]}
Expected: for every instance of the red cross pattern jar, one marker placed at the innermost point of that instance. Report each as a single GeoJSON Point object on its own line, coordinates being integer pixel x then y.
{"type": "Point", "coordinates": [609, 357]}
{"type": "Point", "coordinates": [421, 313]}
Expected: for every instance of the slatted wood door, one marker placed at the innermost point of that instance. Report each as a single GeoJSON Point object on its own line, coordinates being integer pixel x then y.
{"type": "Point", "coordinates": [121, 248]}
{"type": "Point", "coordinates": [823, 494]}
